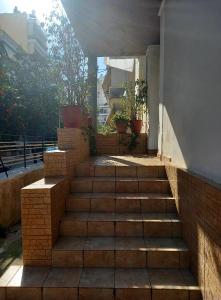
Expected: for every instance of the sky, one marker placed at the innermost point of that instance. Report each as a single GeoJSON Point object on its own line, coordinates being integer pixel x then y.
{"type": "Point", "coordinates": [42, 8]}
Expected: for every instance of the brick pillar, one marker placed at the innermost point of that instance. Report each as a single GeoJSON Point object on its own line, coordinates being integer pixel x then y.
{"type": "Point", "coordinates": [43, 204]}
{"type": "Point", "coordinates": [73, 145]}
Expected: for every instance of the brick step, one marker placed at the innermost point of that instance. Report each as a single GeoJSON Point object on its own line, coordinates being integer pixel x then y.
{"type": "Point", "coordinates": [91, 170]}
{"type": "Point", "coordinates": [120, 252]}
{"type": "Point", "coordinates": [119, 185]}
{"type": "Point", "coordinates": [100, 284]}
{"type": "Point", "coordinates": [120, 202]}
{"type": "Point", "coordinates": [120, 224]}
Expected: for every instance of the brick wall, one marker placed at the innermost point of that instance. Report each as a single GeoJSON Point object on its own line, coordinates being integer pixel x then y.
{"type": "Point", "coordinates": [199, 205]}
{"type": "Point", "coordinates": [10, 196]}
{"type": "Point", "coordinates": [117, 144]}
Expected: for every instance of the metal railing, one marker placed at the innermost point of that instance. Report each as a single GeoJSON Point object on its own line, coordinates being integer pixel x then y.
{"type": "Point", "coordinates": [21, 151]}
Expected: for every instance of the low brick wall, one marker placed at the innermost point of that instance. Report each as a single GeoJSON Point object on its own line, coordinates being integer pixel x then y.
{"type": "Point", "coordinates": [117, 144]}
{"type": "Point", "coordinates": [199, 205]}
{"type": "Point", "coordinates": [10, 196]}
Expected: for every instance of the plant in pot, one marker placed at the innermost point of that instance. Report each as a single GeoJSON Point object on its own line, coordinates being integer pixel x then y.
{"type": "Point", "coordinates": [69, 67]}
{"type": "Point", "coordinates": [136, 96]}
{"type": "Point", "coordinates": [121, 120]}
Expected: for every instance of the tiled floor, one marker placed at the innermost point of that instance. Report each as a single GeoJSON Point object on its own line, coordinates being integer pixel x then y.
{"type": "Point", "coordinates": [126, 160]}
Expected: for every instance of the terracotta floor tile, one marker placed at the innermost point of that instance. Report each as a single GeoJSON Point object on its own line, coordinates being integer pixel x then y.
{"type": "Point", "coordinates": [165, 244]}
{"type": "Point", "coordinates": [63, 277]}
{"type": "Point", "coordinates": [100, 228]}
{"type": "Point", "coordinates": [147, 172]}
{"type": "Point", "coordinates": [125, 171]}
{"type": "Point", "coordinates": [70, 243]}
{"type": "Point", "coordinates": [132, 278]}
{"type": "Point", "coordinates": [96, 294]}
{"type": "Point", "coordinates": [166, 279]}
{"type": "Point", "coordinates": [132, 217]}
{"type": "Point", "coordinates": [103, 205]}
{"type": "Point", "coordinates": [129, 228]}
{"type": "Point", "coordinates": [131, 294]}
{"type": "Point", "coordinates": [67, 258]}
{"type": "Point", "coordinates": [23, 293]}
{"type": "Point", "coordinates": [100, 243]}
{"type": "Point", "coordinates": [163, 294]}
{"type": "Point", "coordinates": [163, 259]}
{"type": "Point", "coordinates": [130, 243]}
{"type": "Point", "coordinates": [93, 216]}
{"type": "Point", "coordinates": [60, 293]}
{"type": "Point", "coordinates": [29, 277]}
{"type": "Point", "coordinates": [126, 186]}
{"type": "Point", "coordinates": [128, 205]}
{"type": "Point", "coordinates": [2, 293]}
{"type": "Point", "coordinates": [130, 259]}
{"type": "Point", "coordinates": [104, 186]}
{"type": "Point", "coordinates": [102, 171]}
{"type": "Point", "coordinates": [99, 258]}
{"type": "Point", "coordinates": [97, 278]}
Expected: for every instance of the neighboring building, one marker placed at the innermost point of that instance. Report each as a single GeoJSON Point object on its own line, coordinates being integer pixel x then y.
{"type": "Point", "coordinates": [25, 30]}
{"type": "Point", "coordinates": [119, 71]}
{"type": "Point", "coordinates": [103, 107]}
{"type": "Point", "coordinates": [8, 45]}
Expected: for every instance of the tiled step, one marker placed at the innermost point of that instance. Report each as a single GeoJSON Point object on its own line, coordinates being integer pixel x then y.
{"type": "Point", "coordinates": [101, 284]}
{"type": "Point", "coordinates": [90, 170]}
{"type": "Point", "coordinates": [120, 252]}
{"type": "Point", "coordinates": [120, 224]}
{"type": "Point", "coordinates": [119, 185]}
{"type": "Point", "coordinates": [120, 202]}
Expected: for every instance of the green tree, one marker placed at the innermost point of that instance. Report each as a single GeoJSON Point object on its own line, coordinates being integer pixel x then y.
{"type": "Point", "coordinates": [67, 59]}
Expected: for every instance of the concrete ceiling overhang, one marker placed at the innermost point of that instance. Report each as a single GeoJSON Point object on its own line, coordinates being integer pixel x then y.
{"type": "Point", "coordinates": [115, 27]}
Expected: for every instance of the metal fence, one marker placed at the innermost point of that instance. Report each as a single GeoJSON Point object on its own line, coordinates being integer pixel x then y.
{"type": "Point", "coordinates": [21, 151]}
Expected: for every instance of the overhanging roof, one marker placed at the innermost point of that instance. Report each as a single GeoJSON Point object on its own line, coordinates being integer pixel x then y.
{"type": "Point", "coordinates": [115, 27]}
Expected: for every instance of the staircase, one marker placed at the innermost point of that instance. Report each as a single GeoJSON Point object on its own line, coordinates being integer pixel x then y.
{"type": "Point", "coordinates": [121, 229]}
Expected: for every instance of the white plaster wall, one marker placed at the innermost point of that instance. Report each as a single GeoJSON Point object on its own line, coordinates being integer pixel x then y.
{"type": "Point", "coordinates": [191, 85]}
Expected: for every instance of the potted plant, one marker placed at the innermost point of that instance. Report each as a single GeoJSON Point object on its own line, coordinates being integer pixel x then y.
{"type": "Point", "coordinates": [69, 65]}
{"type": "Point", "coordinates": [136, 96]}
{"type": "Point", "coordinates": [121, 120]}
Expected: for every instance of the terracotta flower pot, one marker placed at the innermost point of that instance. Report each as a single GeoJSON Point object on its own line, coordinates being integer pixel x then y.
{"type": "Point", "coordinates": [71, 115]}
{"type": "Point", "coordinates": [136, 126]}
{"type": "Point", "coordinates": [121, 126]}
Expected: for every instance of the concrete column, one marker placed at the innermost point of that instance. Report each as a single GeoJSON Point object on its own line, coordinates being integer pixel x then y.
{"type": "Point", "coordinates": [92, 80]}
{"type": "Point", "coordinates": [153, 57]}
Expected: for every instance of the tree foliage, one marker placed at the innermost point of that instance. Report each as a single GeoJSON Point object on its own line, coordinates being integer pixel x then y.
{"type": "Point", "coordinates": [68, 61]}
{"type": "Point", "coordinates": [28, 96]}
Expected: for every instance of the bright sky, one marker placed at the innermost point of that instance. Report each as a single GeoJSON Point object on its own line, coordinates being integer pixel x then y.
{"type": "Point", "coordinates": [41, 7]}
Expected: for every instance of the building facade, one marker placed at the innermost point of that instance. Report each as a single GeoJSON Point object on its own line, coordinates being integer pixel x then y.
{"type": "Point", "coordinates": [26, 31]}
{"type": "Point", "coordinates": [102, 104]}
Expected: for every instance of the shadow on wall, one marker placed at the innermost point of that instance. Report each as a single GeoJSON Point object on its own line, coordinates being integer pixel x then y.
{"type": "Point", "coordinates": [192, 89]}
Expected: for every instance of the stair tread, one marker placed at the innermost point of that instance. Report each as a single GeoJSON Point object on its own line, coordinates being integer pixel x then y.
{"type": "Point", "coordinates": [102, 178]}
{"type": "Point", "coordinates": [117, 278]}
{"type": "Point", "coordinates": [138, 217]}
{"type": "Point", "coordinates": [120, 243]}
{"type": "Point", "coordinates": [121, 195]}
